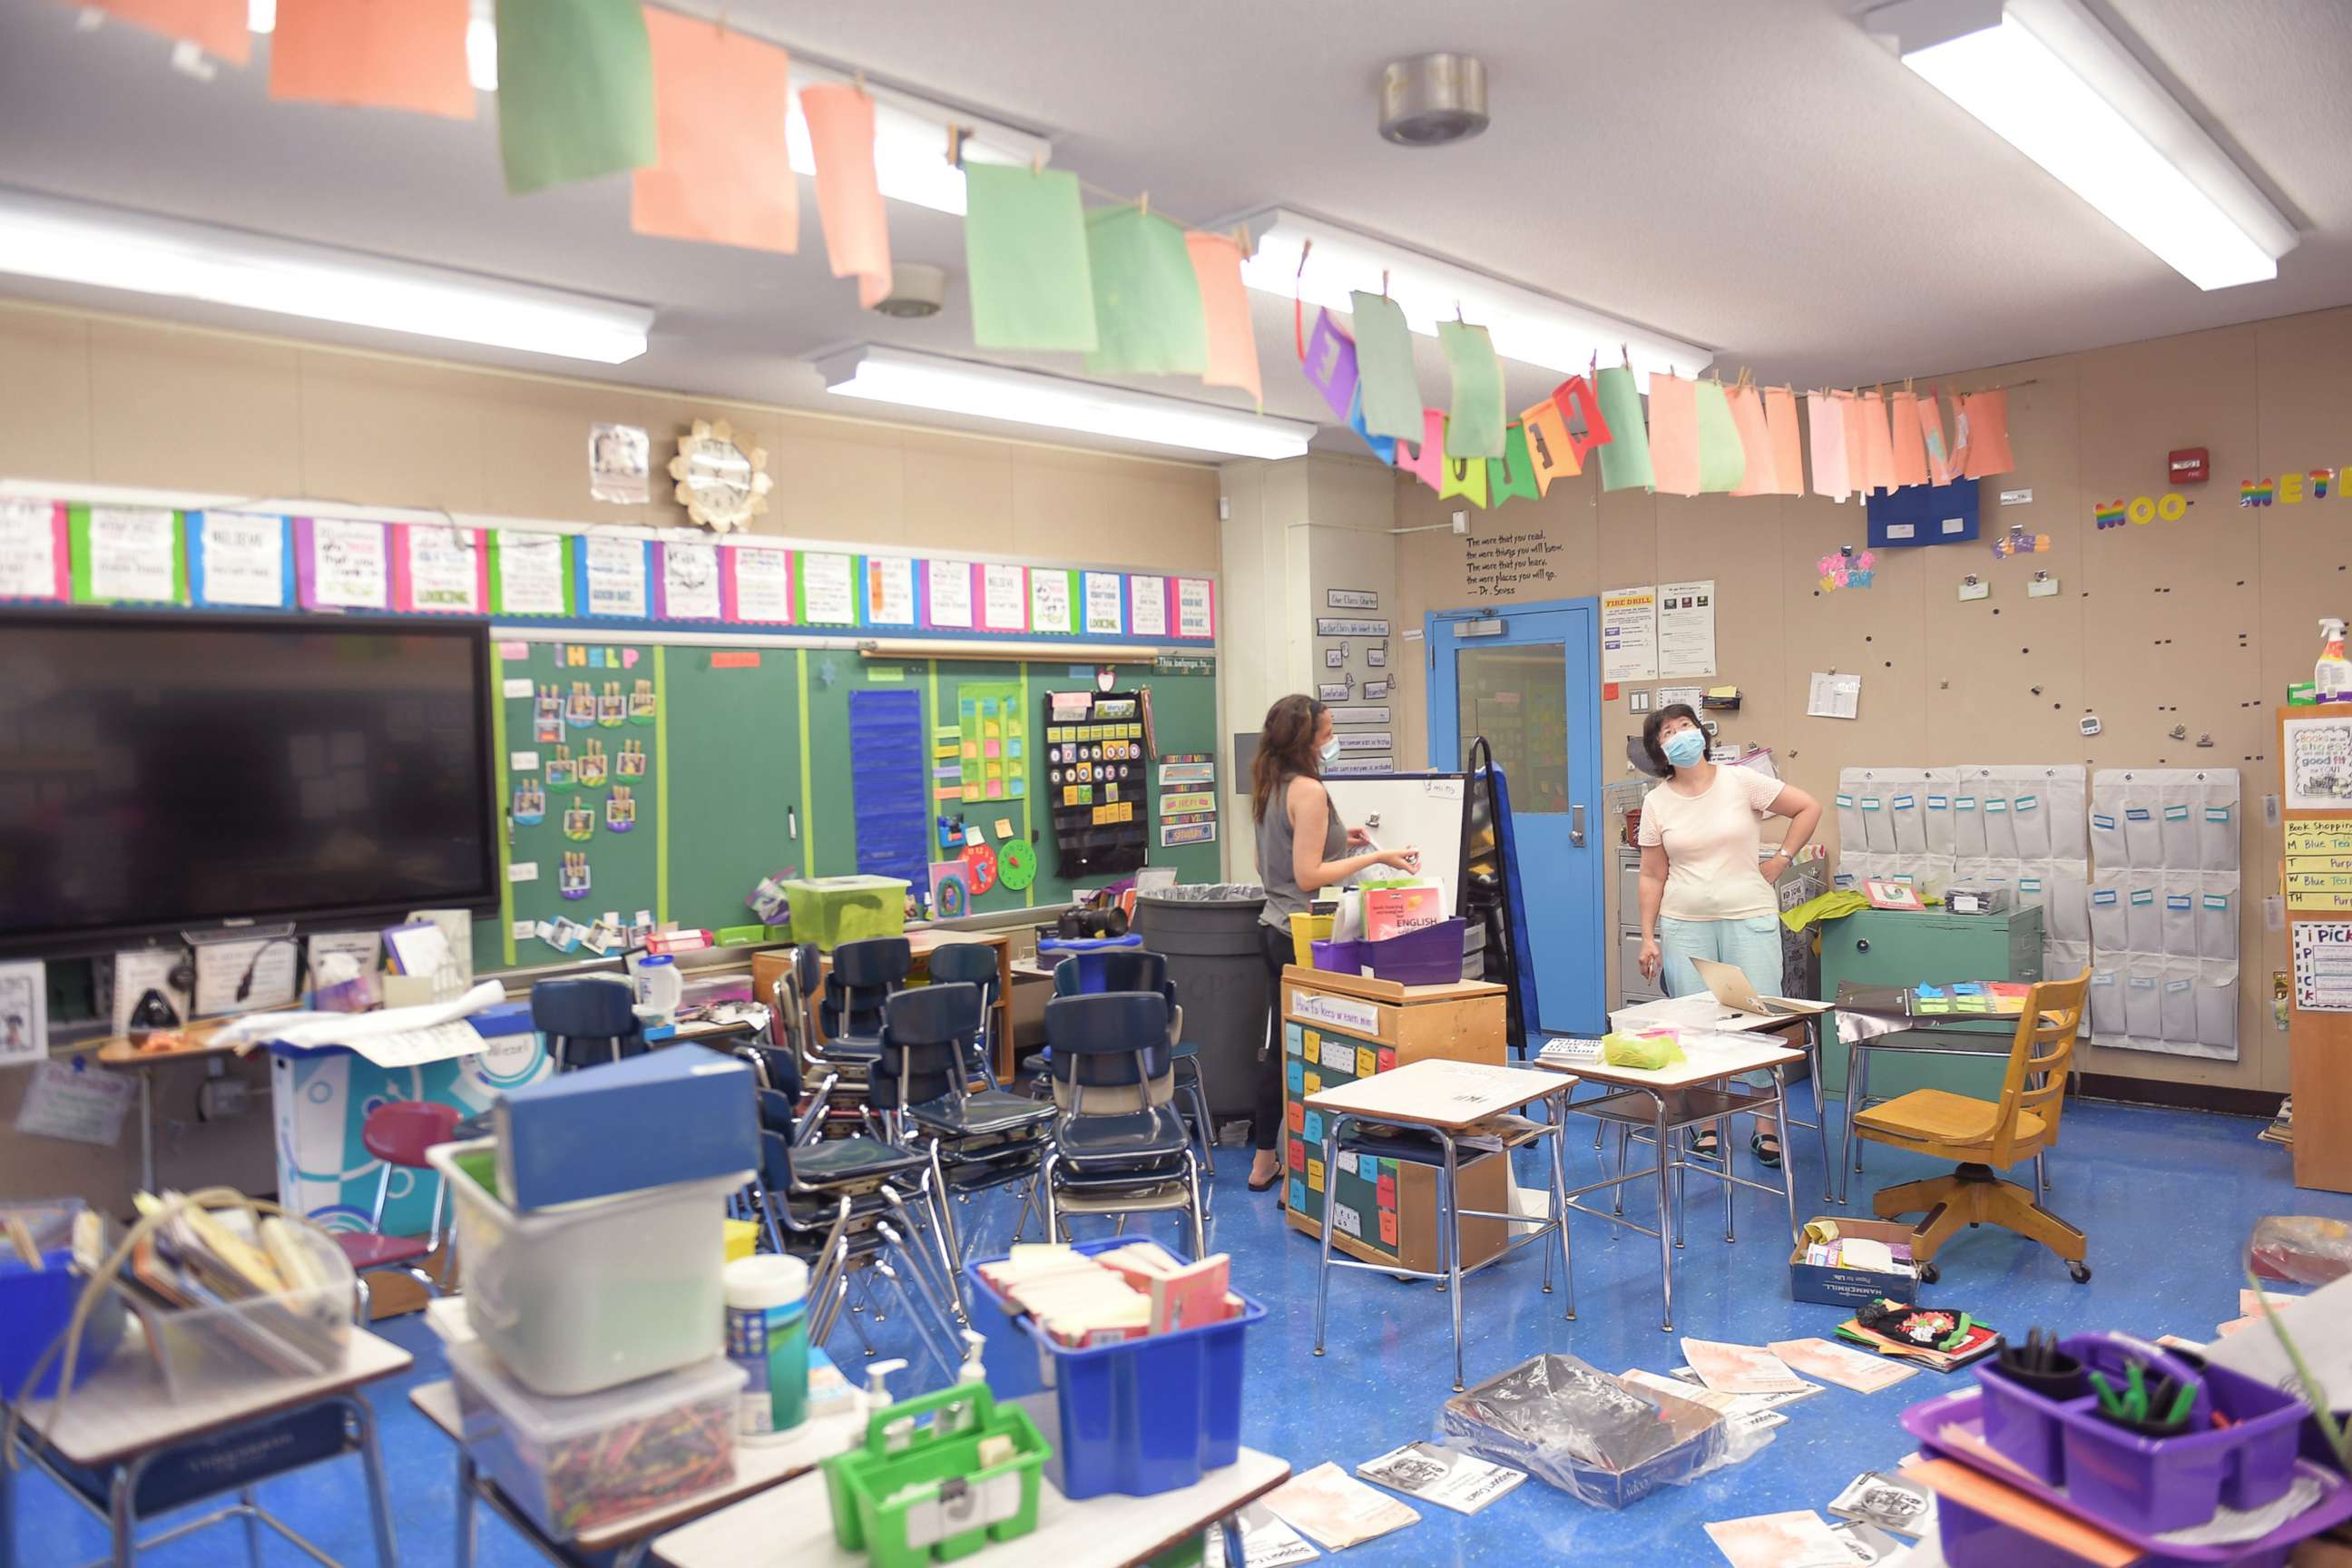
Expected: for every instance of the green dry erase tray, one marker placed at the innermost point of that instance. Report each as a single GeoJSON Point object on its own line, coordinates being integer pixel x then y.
{"type": "Point", "coordinates": [916, 1491]}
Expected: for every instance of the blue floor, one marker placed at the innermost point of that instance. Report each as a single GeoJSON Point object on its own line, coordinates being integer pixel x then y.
{"type": "Point", "coordinates": [2167, 1197]}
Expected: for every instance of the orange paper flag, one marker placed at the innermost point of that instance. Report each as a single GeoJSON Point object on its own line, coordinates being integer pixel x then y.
{"type": "Point", "coordinates": [1877, 442]}
{"type": "Point", "coordinates": [841, 134]}
{"type": "Point", "coordinates": [1551, 449]}
{"type": "Point", "coordinates": [1755, 442]}
{"type": "Point", "coordinates": [374, 54]}
{"type": "Point", "coordinates": [216, 27]}
{"type": "Point", "coordinates": [1910, 447]}
{"type": "Point", "coordinates": [1232, 346]}
{"type": "Point", "coordinates": [1987, 440]}
{"type": "Point", "coordinates": [720, 100]}
{"type": "Point", "coordinates": [1674, 434]}
{"type": "Point", "coordinates": [1827, 414]}
{"type": "Point", "coordinates": [1857, 456]}
{"type": "Point", "coordinates": [1931, 431]}
{"type": "Point", "coordinates": [1428, 464]}
{"type": "Point", "coordinates": [1786, 439]}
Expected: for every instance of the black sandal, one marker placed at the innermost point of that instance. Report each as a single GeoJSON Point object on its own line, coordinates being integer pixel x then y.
{"type": "Point", "coordinates": [1267, 1185]}
{"type": "Point", "coordinates": [1770, 1157]}
{"type": "Point", "coordinates": [1704, 1141]}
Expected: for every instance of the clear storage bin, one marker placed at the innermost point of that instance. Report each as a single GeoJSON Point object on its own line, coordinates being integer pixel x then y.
{"type": "Point", "coordinates": [300, 1333]}
{"type": "Point", "coordinates": [587, 1296]}
{"type": "Point", "coordinates": [573, 1464]}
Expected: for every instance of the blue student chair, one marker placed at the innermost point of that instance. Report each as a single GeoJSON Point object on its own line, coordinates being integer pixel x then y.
{"type": "Point", "coordinates": [972, 964]}
{"type": "Point", "coordinates": [1117, 1161]}
{"type": "Point", "coordinates": [864, 977]}
{"type": "Point", "coordinates": [1134, 968]}
{"type": "Point", "coordinates": [588, 1020]}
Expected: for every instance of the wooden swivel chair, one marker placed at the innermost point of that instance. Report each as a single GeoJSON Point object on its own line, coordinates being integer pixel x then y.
{"type": "Point", "coordinates": [1985, 1137]}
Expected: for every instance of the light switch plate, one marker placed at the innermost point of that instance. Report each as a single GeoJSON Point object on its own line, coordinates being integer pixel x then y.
{"type": "Point", "coordinates": [2042, 588]}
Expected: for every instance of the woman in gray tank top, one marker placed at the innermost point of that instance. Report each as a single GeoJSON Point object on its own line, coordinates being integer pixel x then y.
{"type": "Point", "coordinates": [1302, 848]}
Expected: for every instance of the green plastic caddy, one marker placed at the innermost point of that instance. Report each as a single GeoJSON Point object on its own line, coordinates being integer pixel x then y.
{"type": "Point", "coordinates": [917, 1493]}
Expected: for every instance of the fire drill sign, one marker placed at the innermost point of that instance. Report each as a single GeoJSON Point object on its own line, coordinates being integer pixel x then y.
{"type": "Point", "coordinates": [2323, 967]}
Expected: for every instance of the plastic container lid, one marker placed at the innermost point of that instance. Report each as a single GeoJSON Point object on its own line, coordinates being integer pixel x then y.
{"type": "Point", "coordinates": [769, 1279]}
{"type": "Point", "coordinates": [651, 959]}
{"type": "Point", "coordinates": [546, 1420]}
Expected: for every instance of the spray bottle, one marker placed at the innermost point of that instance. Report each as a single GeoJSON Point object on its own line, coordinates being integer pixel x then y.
{"type": "Point", "coordinates": [2331, 678]}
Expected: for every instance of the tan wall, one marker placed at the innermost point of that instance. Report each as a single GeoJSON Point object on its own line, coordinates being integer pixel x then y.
{"type": "Point", "coordinates": [2200, 623]}
{"type": "Point", "coordinates": [119, 401]}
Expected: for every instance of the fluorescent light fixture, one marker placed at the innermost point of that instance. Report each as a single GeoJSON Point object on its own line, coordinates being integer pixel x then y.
{"type": "Point", "coordinates": [77, 242]}
{"type": "Point", "coordinates": [1528, 326]}
{"type": "Point", "coordinates": [482, 49]}
{"type": "Point", "coordinates": [2045, 77]}
{"type": "Point", "coordinates": [261, 15]}
{"type": "Point", "coordinates": [1033, 397]}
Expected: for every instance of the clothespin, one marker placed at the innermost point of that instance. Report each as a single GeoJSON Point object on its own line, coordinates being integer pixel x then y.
{"type": "Point", "coordinates": [1457, 313]}
{"type": "Point", "coordinates": [955, 145]}
{"type": "Point", "coordinates": [859, 78]}
{"type": "Point", "coordinates": [1626, 353]}
{"type": "Point", "coordinates": [1384, 282]}
{"type": "Point", "coordinates": [1304, 247]}
{"type": "Point", "coordinates": [1143, 204]}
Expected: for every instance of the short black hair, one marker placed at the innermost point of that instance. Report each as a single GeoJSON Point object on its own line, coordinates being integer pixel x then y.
{"type": "Point", "coordinates": [1656, 721]}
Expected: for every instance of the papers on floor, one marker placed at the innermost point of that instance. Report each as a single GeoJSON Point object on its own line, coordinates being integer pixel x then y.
{"type": "Point", "coordinates": [1746, 1417]}
{"type": "Point", "coordinates": [1848, 1368]}
{"type": "Point", "coordinates": [311, 1031]}
{"type": "Point", "coordinates": [1741, 1368]}
{"type": "Point", "coordinates": [1446, 1476]}
{"type": "Point", "coordinates": [1867, 1543]}
{"type": "Point", "coordinates": [1756, 1401]}
{"type": "Point", "coordinates": [1266, 1542]}
{"type": "Point", "coordinates": [1896, 1503]}
{"type": "Point", "coordinates": [1794, 1540]}
{"type": "Point", "coordinates": [1336, 1510]}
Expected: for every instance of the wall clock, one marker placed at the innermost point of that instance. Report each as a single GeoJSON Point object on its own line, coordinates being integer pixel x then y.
{"type": "Point", "coordinates": [720, 484]}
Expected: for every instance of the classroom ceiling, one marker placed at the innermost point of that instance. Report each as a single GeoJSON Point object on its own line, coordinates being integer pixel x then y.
{"type": "Point", "coordinates": [1755, 176]}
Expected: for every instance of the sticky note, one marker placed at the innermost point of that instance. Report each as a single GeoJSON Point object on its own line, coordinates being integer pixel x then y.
{"type": "Point", "coordinates": [1298, 1195]}
{"type": "Point", "coordinates": [523, 871]}
{"type": "Point", "coordinates": [1296, 1075]}
{"type": "Point", "coordinates": [1293, 1038]}
{"type": "Point", "coordinates": [516, 686]}
{"type": "Point", "coordinates": [1297, 1155]}
{"type": "Point", "coordinates": [1314, 1042]}
{"type": "Point", "coordinates": [1297, 1117]}
{"type": "Point", "coordinates": [1388, 1216]}
{"type": "Point", "coordinates": [1367, 1061]}
{"type": "Point", "coordinates": [522, 761]}
{"type": "Point", "coordinates": [1003, 828]}
{"type": "Point", "coordinates": [1388, 1059]}
{"type": "Point", "coordinates": [1315, 1175]}
{"type": "Point", "coordinates": [1313, 1082]}
{"type": "Point", "coordinates": [1313, 1128]}
{"type": "Point", "coordinates": [1387, 1190]}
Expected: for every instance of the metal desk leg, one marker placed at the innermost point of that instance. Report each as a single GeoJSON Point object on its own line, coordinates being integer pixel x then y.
{"type": "Point", "coordinates": [146, 1128]}
{"type": "Point", "coordinates": [1323, 1268]}
{"type": "Point", "coordinates": [1788, 1166]}
{"type": "Point", "coordinates": [7, 1507]}
{"type": "Point", "coordinates": [1230, 1528]}
{"type": "Point", "coordinates": [1723, 1130]}
{"type": "Point", "coordinates": [466, 1501]}
{"type": "Point", "coordinates": [1821, 1101]}
{"type": "Point", "coordinates": [387, 1554]}
{"type": "Point", "coordinates": [1666, 1214]}
{"type": "Point", "coordinates": [1449, 1225]}
{"type": "Point", "coordinates": [252, 1505]}
{"type": "Point", "coordinates": [1559, 1196]}
{"type": "Point", "coordinates": [1847, 1150]}
{"type": "Point", "coordinates": [121, 1519]}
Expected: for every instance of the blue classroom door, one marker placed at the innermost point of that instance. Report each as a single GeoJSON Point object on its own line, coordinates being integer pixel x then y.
{"type": "Point", "coordinates": [1524, 677]}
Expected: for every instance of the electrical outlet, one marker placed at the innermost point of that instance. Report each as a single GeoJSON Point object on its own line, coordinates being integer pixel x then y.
{"type": "Point", "coordinates": [221, 1099]}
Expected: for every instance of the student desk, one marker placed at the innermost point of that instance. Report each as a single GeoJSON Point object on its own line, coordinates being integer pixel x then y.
{"type": "Point", "coordinates": [1676, 1097]}
{"type": "Point", "coordinates": [1702, 1011]}
{"type": "Point", "coordinates": [624, 1542]}
{"type": "Point", "coordinates": [1442, 1102]}
{"type": "Point", "coordinates": [793, 1524]}
{"type": "Point", "coordinates": [145, 1453]}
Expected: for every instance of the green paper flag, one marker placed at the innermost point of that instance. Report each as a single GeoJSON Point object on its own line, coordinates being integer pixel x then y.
{"type": "Point", "coordinates": [1391, 394]}
{"type": "Point", "coordinates": [1024, 249]}
{"type": "Point", "coordinates": [1513, 473]}
{"type": "Point", "coordinates": [575, 92]}
{"type": "Point", "coordinates": [1475, 429]}
{"type": "Point", "coordinates": [1625, 461]}
{"type": "Point", "coordinates": [1148, 315]}
{"type": "Point", "coordinates": [1722, 461]}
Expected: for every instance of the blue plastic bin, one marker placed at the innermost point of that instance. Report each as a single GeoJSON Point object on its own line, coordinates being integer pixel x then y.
{"type": "Point", "coordinates": [1146, 1416]}
{"type": "Point", "coordinates": [36, 1306]}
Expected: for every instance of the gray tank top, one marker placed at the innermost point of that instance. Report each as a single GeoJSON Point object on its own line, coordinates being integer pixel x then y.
{"type": "Point", "coordinates": [1283, 896]}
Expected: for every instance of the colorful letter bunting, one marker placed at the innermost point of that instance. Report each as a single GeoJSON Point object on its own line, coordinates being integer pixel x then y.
{"type": "Point", "coordinates": [383, 53]}
{"type": "Point", "coordinates": [1385, 379]}
{"type": "Point", "coordinates": [1674, 434]}
{"type": "Point", "coordinates": [1553, 451]}
{"type": "Point", "coordinates": [575, 92]}
{"type": "Point", "coordinates": [1474, 425]}
{"type": "Point", "coordinates": [1331, 366]}
{"type": "Point", "coordinates": [1224, 308]}
{"type": "Point", "coordinates": [1464, 476]}
{"type": "Point", "coordinates": [1425, 462]}
{"type": "Point", "coordinates": [1625, 461]}
{"type": "Point", "coordinates": [721, 99]}
{"type": "Point", "coordinates": [1148, 316]}
{"type": "Point", "coordinates": [1512, 474]}
{"type": "Point", "coordinates": [840, 117]}
{"type": "Point", "coordinates": [1025, 245]}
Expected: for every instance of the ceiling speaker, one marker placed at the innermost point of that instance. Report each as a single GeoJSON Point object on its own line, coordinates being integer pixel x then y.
{"type": "Point", "coordinates": [917, 289]}
{"type": "Point", "coordinates": [1432, 100]}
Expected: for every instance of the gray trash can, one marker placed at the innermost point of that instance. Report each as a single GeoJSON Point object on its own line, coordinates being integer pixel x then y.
{"type": "Point", "coordinates": [1209, 934]}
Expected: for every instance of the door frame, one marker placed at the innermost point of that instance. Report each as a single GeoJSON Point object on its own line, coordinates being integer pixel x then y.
{"type": "Point", "coordinates": [1587, 893]}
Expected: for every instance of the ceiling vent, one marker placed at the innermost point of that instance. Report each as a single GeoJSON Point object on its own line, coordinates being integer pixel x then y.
{"type": "Point", "coordinates": [917, 289]}
{"type": "Point", "coordinates": [1432, 100]}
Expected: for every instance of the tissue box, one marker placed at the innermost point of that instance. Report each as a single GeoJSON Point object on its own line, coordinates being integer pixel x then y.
{"type": "Point", "coordinates": [678, 1114]}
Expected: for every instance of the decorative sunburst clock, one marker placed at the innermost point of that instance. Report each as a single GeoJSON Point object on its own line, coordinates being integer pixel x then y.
{"type": "Point", "coordinates": [721, 485]}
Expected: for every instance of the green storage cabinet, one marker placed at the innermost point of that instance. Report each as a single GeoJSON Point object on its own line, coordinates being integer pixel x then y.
{"type": "Point", "coordinates": [1895, 947]}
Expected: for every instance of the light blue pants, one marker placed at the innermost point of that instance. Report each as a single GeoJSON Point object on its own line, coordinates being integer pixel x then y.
{"type": "Point", "coordinates": [1753, 945]}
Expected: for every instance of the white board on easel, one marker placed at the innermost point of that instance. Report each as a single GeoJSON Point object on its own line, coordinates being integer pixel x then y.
{"type": "Point", "coordinates": [1426, 811]}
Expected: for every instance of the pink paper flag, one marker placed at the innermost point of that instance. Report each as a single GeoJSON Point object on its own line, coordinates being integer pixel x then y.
{"type": "Point", "coordinates": [1857, 450]}
{"type": "Point", "coordinates": [1427, 465]}
{"type": "Point", "coordinates": [1232, 346]}
{"type": "Point", "coordinates": [1910, 448]}
{"type": "Point", "coordinates": [1787, 440]}
{"type": "Point", "coordinates": [848, 197]}
{"type": "Point", "coordinates": [1877, 441]}
{"type": "Point", "coordinates": [1674, 434]}
{"type": "Point", "coordinates": [1827, 421]}
{"type": "Point", "coordinates": [1755, 442]}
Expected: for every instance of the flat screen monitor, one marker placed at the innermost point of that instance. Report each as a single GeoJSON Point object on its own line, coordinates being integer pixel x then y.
{"type": "Point", "coordinates": [177, 773]}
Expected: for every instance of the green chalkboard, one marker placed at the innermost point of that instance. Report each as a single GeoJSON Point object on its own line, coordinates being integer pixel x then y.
{"type": "Point", "coordinates": [747, 775]}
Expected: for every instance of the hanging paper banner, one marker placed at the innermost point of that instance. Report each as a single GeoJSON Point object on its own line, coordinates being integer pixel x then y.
{"type": "Point", "coordinates": [1746, 405]}
{"type": "Point", "coordinates": [1959, 454]}
{"type": "Point", "coordinates": [1196, 607]}
{"type": "Point", "coordinates": [531, 574]}
{"type": "Point", "coordinates": [1024, 249]}
{"type": "Point", "coordinates": [1330, 366]}
{"type": "Point", "coordinates": [1225, 311]}
{"type": "Point", "coordinates": [36, 561]}
{"type": "Point", "coordinates": [1788, 441]}
{"type": "Point", "coordinates": [1426, 462]}
{"type": "Point", "coordinates": [380, 54]}
{"type": "Point", "coordinates": [1625, 461]}
{"type": "Point", "coordinates": [1576, 399]}
{"type": "Point", "coordinates": [1384, 448]}
{"type": "Point", "coordinates": [1474, 420]}
{"type": "Point", "coordinates": [687, 587]}
{"type": "Point", "coordinates": [1722, 461]}
{"type": "Point", "coordinates": [947, 594]}
{"type": "Point", "coordinates": [1464, 476]}
{"type": "Point", "coordinates": [1147, 606]}
{"type": "Point", "coordinates": [889, 591]}
{"type": "Point", "coordinates": [1877, 441]}
{"type": "Point", "coordinates": [1827, 423]}
{"type": "Point", "coordinates": [1987, 453]}
{"type": "Point", "coordinates": [240, 560]}
{"type": "Point", "coordinates": [1512, 474]}
{"type": "Point", "coordinates": [437, 569]}
{"type": "Point", "coordinates": [1049, 602]}
{"type": "Point", "coordinates": [720, 97]}
{"type": "Point", "coordinates": [1004, 598]}
{"type": "Point", "coordinates": [828, 589]}
{"type": "Point", "coordinates": [1385, 379]}
{"type": "Point", "coordinates": [1106, 599]}
{"type": "Point", "coordinates": [1674, 434]}
{"type": "Point", "coordinates": [1857, 443]}
{"type": "Point", "coordinates": [216, 26]}
{"type": "Point", "coordinates": [1551, 449]}
{"type": "Point", "coordinates": [757, 586]}
{"type": "Point", "coordinates": [575, 92]}
{"type": "Point", "coordinates": [840, 117]}
{"type": "Point", "coordinates": [615, 572]}
{"type": "Point", "coordinates": [1931, 431]}
{"type": "Point", "coordinates": [342, 564]}
{"type": "Point", "coordinates": [1148, 317]}
{"type": "Point", "coordinates": [1910, 443]}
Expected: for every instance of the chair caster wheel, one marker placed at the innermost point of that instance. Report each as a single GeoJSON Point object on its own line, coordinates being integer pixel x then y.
{"type": "Point", "coordinates": [1929, 1274]}
{"type": "Point", "coordinates": [2081, 1271]}
{"type": "Point", "coordinates": [1975, 1225]}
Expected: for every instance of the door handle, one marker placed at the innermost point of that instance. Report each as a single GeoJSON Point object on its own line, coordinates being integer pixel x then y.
{"type": "Point", "coordinates": [1576, 826]}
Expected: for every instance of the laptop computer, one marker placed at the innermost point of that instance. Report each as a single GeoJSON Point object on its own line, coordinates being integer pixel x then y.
{"type": "Point", "coordinates": [1729, 984]}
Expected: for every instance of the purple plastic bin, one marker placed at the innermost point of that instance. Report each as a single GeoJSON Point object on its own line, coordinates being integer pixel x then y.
{"type": "Point", "coordinates": [1338, 957]}
{"type": "Point", "coordinates": [2020, 1426]}
{"type": "Point", "coordinates": [1430, 956]}
{"type": "Point", "coordinates": [1973, 1540]}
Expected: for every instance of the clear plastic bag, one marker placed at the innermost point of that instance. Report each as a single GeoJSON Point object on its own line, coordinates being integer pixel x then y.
{"type": "Point", "coordinates": [2305, 1249]}
{"type": "Point", "coordinates": [1570, 1423]}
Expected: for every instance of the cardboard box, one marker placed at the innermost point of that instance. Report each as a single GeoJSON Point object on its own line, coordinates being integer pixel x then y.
{"type": "Point", "coordinates": [1855, 1288]}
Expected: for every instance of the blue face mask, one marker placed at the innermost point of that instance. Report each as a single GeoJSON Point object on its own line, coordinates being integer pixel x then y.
{"type": "Point", "coordinates": [1685, 747]}
{"type": "Point", "coordinates": [1329, 751]}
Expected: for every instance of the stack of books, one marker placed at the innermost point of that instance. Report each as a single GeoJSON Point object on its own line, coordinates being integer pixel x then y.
{"type": "Point", "coordinates": [1859, 1252]}
{"type": "Point", "coordinates": [1082, 1299]}
{"type": "Point", "coordinates": [2281, 1130]}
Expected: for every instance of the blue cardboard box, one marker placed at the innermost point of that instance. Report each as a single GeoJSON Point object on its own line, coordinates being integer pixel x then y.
{"type": "Point", "coordinates": [678, 1114]}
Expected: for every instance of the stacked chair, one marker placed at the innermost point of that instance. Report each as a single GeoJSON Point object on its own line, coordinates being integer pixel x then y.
{"type": "Point", "coordinates": [1128, 1160]}
{"type": "Point", "coordinates": [1132, 969]}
